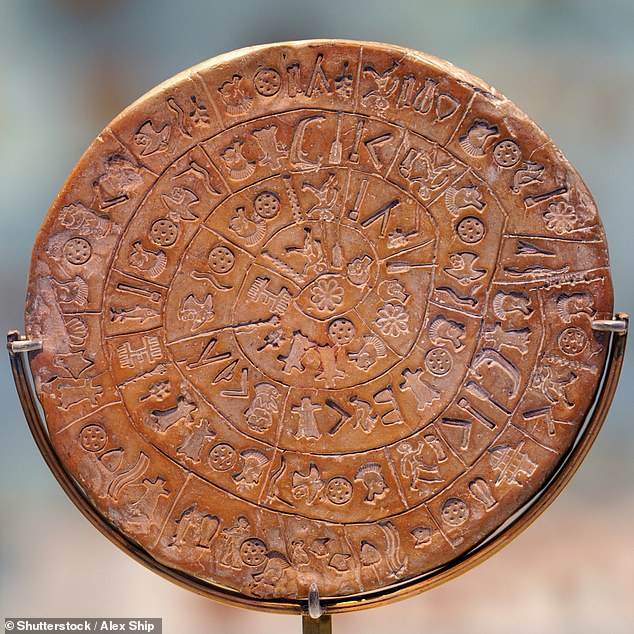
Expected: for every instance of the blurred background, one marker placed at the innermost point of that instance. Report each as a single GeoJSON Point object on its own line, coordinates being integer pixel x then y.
{"type": "Point", "coordinates": [67, 67]}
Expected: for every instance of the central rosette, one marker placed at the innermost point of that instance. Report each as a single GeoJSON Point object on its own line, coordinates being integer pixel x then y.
{"type": "Point", "coordinates": [334, 265]}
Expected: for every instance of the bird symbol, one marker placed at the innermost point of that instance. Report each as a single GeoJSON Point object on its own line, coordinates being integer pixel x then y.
{"type": "Point", "coordinates": [178, 203]}
{"type": "Point", "coordinates": [462, 268]}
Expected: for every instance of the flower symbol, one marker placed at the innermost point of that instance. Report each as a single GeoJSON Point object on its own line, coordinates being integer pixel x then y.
{"type": "Point", "coordinates": [392, 320]}
{"type": "Point", "coordinates": [327, 294]}
{"type": "Point", "coordinates": [560, 217]}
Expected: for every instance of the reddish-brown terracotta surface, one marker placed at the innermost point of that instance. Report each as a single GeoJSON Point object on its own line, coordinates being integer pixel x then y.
{"type": "Point", "coordinates": [317, 313]}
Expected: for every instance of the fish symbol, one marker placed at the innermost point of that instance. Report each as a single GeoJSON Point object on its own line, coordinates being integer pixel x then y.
{"type": "Point", "coordinates": [139, 313]}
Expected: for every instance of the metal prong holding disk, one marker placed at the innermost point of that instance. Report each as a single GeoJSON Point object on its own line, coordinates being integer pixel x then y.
{"type": "Point", "coordinates": [618, 325]}
{"type": "Point", "coordinates": [17, 343]}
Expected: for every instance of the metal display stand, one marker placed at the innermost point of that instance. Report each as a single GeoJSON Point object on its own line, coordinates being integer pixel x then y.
{"type": "Point", "coordinates": [316, 615]}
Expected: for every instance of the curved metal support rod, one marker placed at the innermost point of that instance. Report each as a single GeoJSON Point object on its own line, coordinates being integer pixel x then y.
{"type": "Point", "coordinates": [322, 625]}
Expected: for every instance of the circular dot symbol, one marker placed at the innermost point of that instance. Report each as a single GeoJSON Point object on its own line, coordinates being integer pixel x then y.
{"type": "Point", "coordinates": [507, 153]}
{"type": "Point", "coordinates": [267, 82]}
{"type": "Point", "coordinates": [266, 204]}
{"type": "Point", "coordinates": [222, 457]}
{"type": "Point", "coordinates": [221, 259]}
{"type": "Point", "coordinates": [253, 551]}
{"type": "Point", "coordinates": [164, 232]}
{"type": "Point", "coordinates": [572, 340]}
{"type": "Point", "coordinates": [438, 361]}
{"type": "Point", "coordinates": [77, 251]}
{"type": "Point", "coordinates": [470, 230]}
{"type": "Point", "coordinates": [341, 331]}
{"type": "Point", "coordinates": [454, 512]}
{"type": "Point", "coordinates": [93, 438]}
{"type": "Point", "coordinates": [339, 490]}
